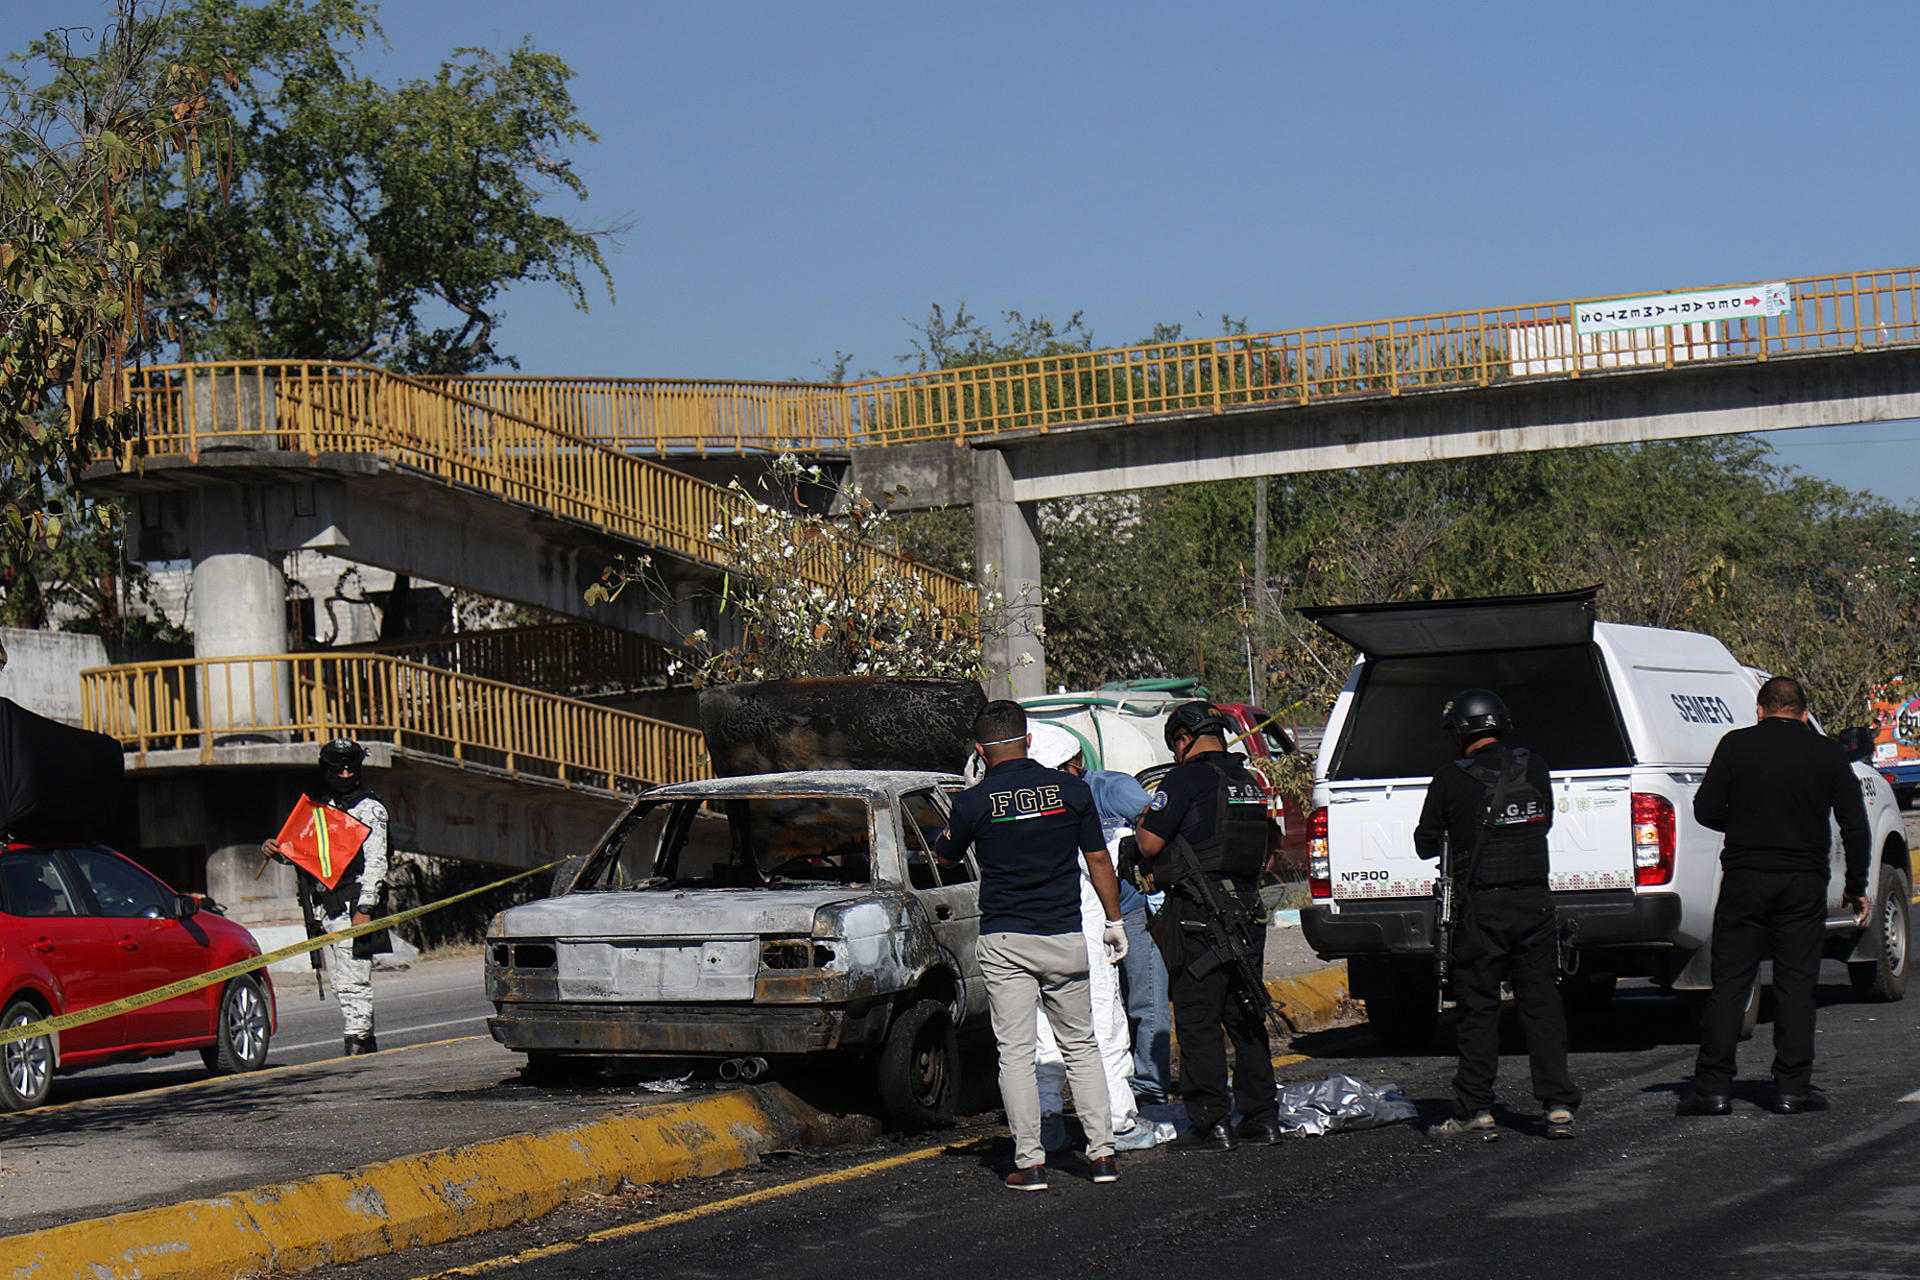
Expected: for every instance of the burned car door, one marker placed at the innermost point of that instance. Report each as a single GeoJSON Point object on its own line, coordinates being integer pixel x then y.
{"type": "Point", "coordinates": [950, 895]}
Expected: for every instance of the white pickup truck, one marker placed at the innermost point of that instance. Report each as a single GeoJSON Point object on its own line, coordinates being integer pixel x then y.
{"type": "Point", "coordinates": [1627, 718]}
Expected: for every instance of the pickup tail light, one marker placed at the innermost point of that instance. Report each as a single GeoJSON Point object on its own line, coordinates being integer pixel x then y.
{"type": "Point", "coordinates": [1652, 839]}
{"type": "Point", "coordinates": [1319, 861]}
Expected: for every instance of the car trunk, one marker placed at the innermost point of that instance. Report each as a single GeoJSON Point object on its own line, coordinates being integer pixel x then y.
{"type": "Point", "coordinates": [661, 945]}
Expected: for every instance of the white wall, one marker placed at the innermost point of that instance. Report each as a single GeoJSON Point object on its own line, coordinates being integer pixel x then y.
{"type": "Point", "coordinates": [43, 668]}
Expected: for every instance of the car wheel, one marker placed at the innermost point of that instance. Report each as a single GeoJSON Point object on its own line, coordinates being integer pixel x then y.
{"type": "Point", "coordinates": [919, 1067]}
{"type": "Point", "coordinates": [26, 1066]}
{"type": "Point", "coordinates": [559, 1070]}
{"type": "Point", "coordinates": [1885, 976]}
{"type": "Point", "coordinates": [1697, 1002]}
{"type": "Point", "coordinates": [1750, 1016]}
{"type": "Point", "coordinates": [1402, 1009]}
{"type": "Point", "coordinates": [241, 1038]}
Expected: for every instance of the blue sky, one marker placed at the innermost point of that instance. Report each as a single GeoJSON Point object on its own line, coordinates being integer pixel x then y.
{"type": "Point", "coordinates": [806, 178]}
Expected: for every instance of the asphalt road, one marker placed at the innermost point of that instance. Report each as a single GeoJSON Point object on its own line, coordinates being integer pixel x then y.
{"type": "Point", "coordinates": [1637, 1192]}
{"type": "Point", "coordinates": [432, 1000]}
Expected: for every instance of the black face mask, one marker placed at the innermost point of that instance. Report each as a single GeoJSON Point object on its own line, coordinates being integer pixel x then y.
{"type": "Point", "coordinates": [343, 786]}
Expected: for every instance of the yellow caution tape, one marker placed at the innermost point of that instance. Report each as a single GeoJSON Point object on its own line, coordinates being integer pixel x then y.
{"type": "Point", "coordinates": [80, 1017]}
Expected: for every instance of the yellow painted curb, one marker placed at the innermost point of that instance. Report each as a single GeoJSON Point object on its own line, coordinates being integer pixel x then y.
{"type": "Point", "coordinates": [1314, 1001]}
{"type": "Point", "coordinates": [413, 1200]}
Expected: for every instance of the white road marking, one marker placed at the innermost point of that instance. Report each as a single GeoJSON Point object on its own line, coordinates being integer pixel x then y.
{"type": "Point", "coordinates": [391, 1031]}
{"type": "Point", "coordinates": [1912, 1097]}
{"type": "Point", "coordinates": [335, 1040]}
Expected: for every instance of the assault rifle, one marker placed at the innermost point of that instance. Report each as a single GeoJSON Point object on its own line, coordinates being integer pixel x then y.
{"type": "Point", "coordinates": [1450, 879]}
{"type": "Point", "coordinates": [314, 930]}
{"type": "Point", "coordinates": [1229, 937]}
{"type": "Point", "coordinates": [1446, 904]}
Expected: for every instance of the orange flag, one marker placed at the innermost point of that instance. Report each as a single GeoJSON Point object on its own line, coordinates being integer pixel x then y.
{"type": "Point", "coordinates": [321, 840]}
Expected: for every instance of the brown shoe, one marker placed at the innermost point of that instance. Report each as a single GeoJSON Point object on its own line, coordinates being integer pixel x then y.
{"type": "Point", "coordinates": [1105, 1169]}
{"type": "Point", "coordinates": [1033, 1179]}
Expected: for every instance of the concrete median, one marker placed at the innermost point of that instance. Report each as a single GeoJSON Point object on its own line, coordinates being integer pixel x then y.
{"type": "Point", "coordinates": [420, 1199]}
{"type": "Point", "coordinates": [1315, 1000]}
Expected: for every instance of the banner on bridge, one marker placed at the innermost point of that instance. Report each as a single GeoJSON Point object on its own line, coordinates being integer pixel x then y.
{"type": "Point", "coordinates": [1618, 315]}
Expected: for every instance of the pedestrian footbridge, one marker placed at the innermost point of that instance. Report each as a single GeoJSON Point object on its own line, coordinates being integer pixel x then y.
{"type": "Point", "coordinates": [523, 487]}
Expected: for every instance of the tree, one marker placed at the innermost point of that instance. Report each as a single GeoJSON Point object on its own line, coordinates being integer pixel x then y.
{"type": "Point", "coordinates": [81, 132]}
{"type": "Point", "coordinates": [347, 219]}
{"type": "Point", "coordinates": [361, 222]}
{"type": "Point", "coordinates": [334, 218]}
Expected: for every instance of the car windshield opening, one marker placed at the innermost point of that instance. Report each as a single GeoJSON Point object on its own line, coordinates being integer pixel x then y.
{"type": "Point", "coordinates": [736, 842]}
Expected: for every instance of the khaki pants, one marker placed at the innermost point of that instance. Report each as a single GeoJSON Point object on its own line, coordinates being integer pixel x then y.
{"type": "Point", "coordinates": [1109, 1024]}
{"type": "Point", "coordinates": [1026, 972]}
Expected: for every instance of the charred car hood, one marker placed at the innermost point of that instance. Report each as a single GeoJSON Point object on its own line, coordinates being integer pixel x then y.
{"type": "Point", "coordinates": [675, 913]}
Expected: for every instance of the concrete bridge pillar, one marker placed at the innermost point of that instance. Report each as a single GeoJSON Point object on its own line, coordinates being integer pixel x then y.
{"type": "Point", "coordinates": [239, 608]}
{"type": "Point", "coordinates": [1006, 553]}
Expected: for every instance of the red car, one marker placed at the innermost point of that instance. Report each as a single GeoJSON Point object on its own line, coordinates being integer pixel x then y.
{"type": "Point", "coordinates": [80, 925]}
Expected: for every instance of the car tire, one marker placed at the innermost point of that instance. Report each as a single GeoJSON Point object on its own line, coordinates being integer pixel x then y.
{"type": "Point", "coordinates": [558, 1070]}
{"type": "Point", "coordinates": [1402, 1010]}
{"type": "Point", "coordinates": [919, 1068]}
{"type": "Point", "coordinates": [26, 1066]}
{"type": "Point", "coordinates": [1697, 1002]}
{"type": "Point", "coordinates": [240, 1039]}
{"type": "Point", "coordinates": [1884, 977]}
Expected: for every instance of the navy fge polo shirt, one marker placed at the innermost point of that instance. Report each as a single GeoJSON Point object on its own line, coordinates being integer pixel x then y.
{"type": "Point", "coordinates": [1028, 826]}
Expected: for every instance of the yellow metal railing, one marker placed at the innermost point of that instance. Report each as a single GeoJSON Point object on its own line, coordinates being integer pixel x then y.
{"type": "Point", "coordinates": [203, 703]}
{"type": "Point", "coordinates": [663, 415]}
{"type": "Point", "coordinates": [194, 409]}
{"type": "Point", "coordinates": [1835, 313]}
{"type": "Point", "coordinates": [574, 659]}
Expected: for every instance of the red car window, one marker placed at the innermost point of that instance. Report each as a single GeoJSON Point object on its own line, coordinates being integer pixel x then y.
{"type": "Point", "coordinates": [121, 888]}
{"type": "Point", "coordinates": [33, 885]}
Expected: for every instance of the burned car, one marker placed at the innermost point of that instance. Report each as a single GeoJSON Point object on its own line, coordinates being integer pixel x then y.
{"type": "Point", "coordinates": [750, 920]}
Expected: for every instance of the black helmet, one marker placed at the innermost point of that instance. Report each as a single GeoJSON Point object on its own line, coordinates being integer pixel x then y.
{"type": "Point", "coordinates": [342, 753]}
{"type": "Point", "coordinates": [1476, 713]}
{"type": "Point", "coordinates": [1197, 719]}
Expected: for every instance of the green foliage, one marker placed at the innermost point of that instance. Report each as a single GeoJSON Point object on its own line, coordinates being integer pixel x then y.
{"type": "Point", "coordinates": [356, 221]}
{"type": "Point", "coordinates": [80, 581]}
{"type": "Point", "coordinates": [80, 132]}
{"type": "Point", "coordinates": [1711, 535]}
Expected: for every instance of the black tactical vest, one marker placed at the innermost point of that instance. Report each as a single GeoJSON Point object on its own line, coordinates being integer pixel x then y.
{"type": "Point", "coordinates": [1237, 848]}
{"type": "Point", "coordinates": [1515, 851]}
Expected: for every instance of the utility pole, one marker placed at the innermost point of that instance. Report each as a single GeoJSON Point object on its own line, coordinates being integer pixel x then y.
{"type": "Point", "coordinates": [1257, 695]}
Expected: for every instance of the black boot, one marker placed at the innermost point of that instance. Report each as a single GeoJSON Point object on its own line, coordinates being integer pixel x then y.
{"type": "Point", "coordinates": [357, 1045]}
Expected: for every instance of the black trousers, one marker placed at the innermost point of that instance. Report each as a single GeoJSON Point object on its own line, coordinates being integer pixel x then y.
{"type": "Point", "coordinates": [1509, 934]}
{"type": "Point", "coordinates": [1782, 914]}
{"type": "Point", "coordinates": [1204, 1008]}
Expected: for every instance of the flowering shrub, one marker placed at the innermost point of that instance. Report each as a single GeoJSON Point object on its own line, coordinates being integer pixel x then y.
{"type": "Point", "coordinates": [822, 595]}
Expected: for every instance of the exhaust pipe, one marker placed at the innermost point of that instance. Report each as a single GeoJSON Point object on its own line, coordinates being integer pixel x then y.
{"type": "Point", "coordinates": [742, 1068]}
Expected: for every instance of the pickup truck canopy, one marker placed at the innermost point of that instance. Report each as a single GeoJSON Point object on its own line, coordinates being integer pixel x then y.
{"type": "Point", "coordinates": [1430, 627]}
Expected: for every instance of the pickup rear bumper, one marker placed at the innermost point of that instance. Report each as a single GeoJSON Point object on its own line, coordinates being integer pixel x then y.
{"type": "Point", "coordinates": [1394, 927]}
